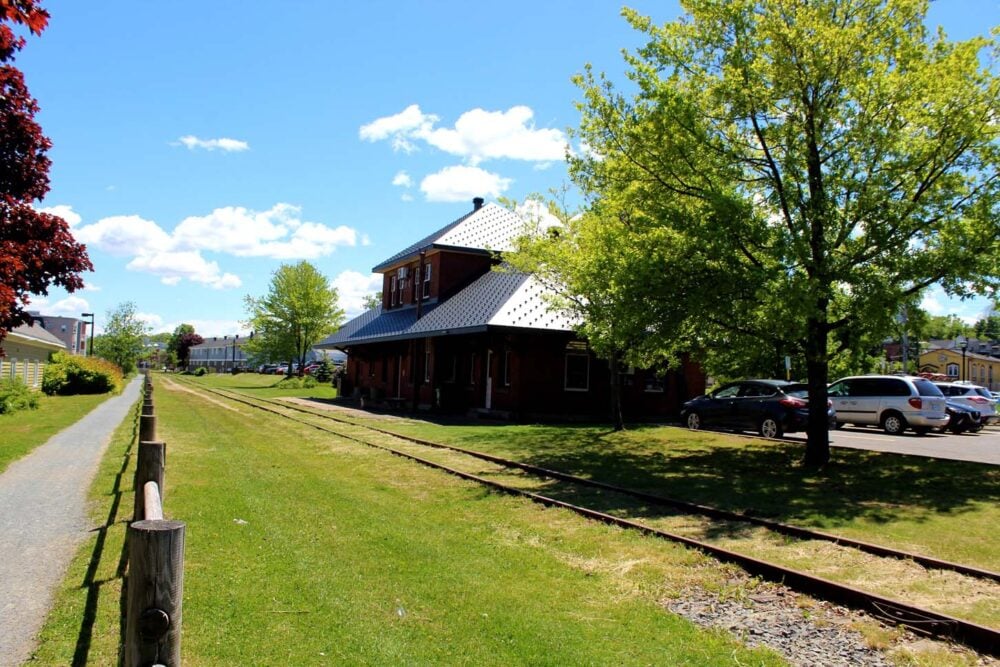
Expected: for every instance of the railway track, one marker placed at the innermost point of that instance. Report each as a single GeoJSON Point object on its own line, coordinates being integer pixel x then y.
{"type": "Point", "coordinates": [924, 621]}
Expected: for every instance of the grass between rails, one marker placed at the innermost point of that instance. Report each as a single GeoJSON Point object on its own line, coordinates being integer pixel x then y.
{"type": "Point", "coordinates": [262, 386]}
{"type": "Point", "coordinates": [22, 431]}
{"type": "Point", "coordinates": [303, 549]}
{"type": "Point", "coordinates": [946, 509]}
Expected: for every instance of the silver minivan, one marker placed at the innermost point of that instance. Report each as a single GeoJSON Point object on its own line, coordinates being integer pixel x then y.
{"type": "Point", "coordinates": [892, 402]}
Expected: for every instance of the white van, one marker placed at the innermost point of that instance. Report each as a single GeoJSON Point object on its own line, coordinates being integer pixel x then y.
{"type": "Point", "coordinates": [892, 402]}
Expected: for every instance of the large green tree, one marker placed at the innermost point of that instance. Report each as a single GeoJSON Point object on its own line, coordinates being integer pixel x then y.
{"type": "Point", "coordinates": [299, 309]}
{"type": "Point", "coordinates": [122, 339]}
{"type": "Point", "coordinates": [823, 161]}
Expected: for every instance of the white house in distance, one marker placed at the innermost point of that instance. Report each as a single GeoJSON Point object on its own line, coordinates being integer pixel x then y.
{"type": "Point", "coordinates": [27, 349]}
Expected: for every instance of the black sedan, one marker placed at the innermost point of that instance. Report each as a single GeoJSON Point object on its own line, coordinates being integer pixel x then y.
{"type": "Point", "coordinates": [769, 407]}
{"type": "Point", "coordinates": [962, 418]}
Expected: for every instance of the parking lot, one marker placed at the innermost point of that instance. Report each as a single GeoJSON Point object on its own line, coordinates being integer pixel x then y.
{"type": "Point", "coordinates": [982, 447]}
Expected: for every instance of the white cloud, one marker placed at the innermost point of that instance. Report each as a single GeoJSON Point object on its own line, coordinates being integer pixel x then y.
{"type": "Point", "coordinates": [478, 135]}
{"type": "Point", "coordinates": [482, 135]}
{"type": "Point", "coordinates": [278, 233]}
{"type": "Point", "coordinates": [71, 306]}
{"type": "Point", "coordinates": [459, 183]}
{"type": "Point", "coordinates": [410, 122]}
{"type": "Point", "coordinates": [91, 287]}
{"type": "Point", "coordinates": [65, 212]}
{"type": "Point", "coordinates": [223, 144]}
{"type": "Point", "coordinates": [172, 267]}
{"type": "Point", "coordinates": [124, 235]}
{"type": "Point", "coordinates": [353, 287]}
{"type": "Point", "coordinates": [402, 179]}
{"type": "Point", "coordinates": [407, 196]}
{"type": "Point", "coordinates": [152, 320]}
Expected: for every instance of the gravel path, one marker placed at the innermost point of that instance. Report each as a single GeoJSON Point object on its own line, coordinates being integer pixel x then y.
{"type": "Point", "coordinates": [43, 520]}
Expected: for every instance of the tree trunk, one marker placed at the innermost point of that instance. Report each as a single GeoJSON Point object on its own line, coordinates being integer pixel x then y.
{"type": "Point", "coordinates": [817, 367]}
{"type": "Point", "coordinates": [617, 419]}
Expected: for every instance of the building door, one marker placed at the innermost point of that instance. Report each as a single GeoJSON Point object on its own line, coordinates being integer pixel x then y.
{"type": "Point", "coordinates": [489, 379]}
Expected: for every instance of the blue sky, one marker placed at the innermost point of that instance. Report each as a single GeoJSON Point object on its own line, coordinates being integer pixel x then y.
{"type": "Point", "coordinates": [199, 145]}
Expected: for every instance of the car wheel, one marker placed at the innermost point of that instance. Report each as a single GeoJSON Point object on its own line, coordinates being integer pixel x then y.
{"type": "Point", "coordinates": [770, 428]}
{"type": "Point", "coordinates": [893, 423]}
{"type": "Point", "coordinates": [693, 421]}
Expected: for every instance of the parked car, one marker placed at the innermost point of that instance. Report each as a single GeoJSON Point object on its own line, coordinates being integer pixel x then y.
{"type": "Point", "coordinates": [266, 369]}
{"type": "Point", "coordinates": [972, 396]}
{"type": "Point", "coordinates": [962, 418]}
{"type": "Point", "coordinates": [769, 407]}
{"type": "Point", "coordinates": [892, 402]}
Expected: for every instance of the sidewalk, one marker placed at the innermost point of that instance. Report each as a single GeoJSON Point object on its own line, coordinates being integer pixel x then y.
{"type": "Point", "coordinates": [43, 520]}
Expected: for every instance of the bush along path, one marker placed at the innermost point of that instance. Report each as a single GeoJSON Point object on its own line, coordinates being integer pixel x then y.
{"type": "Point", "coordinates": [44, 519]}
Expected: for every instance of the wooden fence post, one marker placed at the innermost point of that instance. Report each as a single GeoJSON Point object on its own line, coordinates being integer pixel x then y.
{"type": "Point", "coordinates": [147, 406]}
{"type": "Point", "coordinates": [149, 465]}
{"type": "Point", "coordinates": [155, 593]}
{"type": "Point", "coordinates": [147, 428]}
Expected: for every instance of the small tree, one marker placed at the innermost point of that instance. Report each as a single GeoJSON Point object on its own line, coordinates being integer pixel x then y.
{"type": "Point", "coordinates": [36, 249]}
{"type": "Point", "coordinates": [299, 309]}
{"type": "Point", "coordinates": [121, 342]}
{"type": "Point", "coordinates": [181, 341]}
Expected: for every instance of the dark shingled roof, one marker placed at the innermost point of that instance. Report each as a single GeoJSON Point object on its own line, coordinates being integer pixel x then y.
{"type": "Point", "coordinates": [470, 310]}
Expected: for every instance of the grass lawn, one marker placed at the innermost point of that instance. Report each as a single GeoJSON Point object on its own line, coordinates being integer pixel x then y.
{"type": "Point", "coordinates": [947, 509]}
{"type": "Point", "coordinates": [264, 386]}
{"type": "Point", "coordinates": [304, 549]}
{"type": "Point", "coordinates": [22, 431]}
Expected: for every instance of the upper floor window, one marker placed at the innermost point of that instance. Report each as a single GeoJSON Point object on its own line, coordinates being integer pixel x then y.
{"type": "Point", "coordinates": [427, 281]}
{"type": "Point", "coordinates": [953, 370]}
{"type": "Point", "coordinates": [392, 291]}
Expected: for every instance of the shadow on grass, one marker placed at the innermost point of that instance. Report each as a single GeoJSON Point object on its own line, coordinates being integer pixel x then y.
{"type": "Point", "coordinates": [90, 582]}
{"type": "Point", "coordinates": [763, 479]}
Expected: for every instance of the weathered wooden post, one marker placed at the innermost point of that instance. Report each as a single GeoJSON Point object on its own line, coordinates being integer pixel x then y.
{"type": "Point", "coordinates": [155, 593]}
{"type": "Point", "coordinates": [149, 465]}
{"type": "Point", "coordinates": [147, 406]}
{"type": "Point", "coordinates": [147, 428]}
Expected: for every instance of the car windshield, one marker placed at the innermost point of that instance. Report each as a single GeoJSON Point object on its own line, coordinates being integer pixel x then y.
{"type": "Point", "coordinates": [926, 388]}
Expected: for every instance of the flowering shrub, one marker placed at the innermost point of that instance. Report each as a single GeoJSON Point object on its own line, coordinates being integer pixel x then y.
{"type": "Point", "coordinates": [67, 374]}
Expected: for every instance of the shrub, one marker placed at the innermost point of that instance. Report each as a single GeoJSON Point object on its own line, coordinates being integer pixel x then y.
{"type": "Point", "coordinates": [201, 370]}
{"type": "Point", "coordinates": [306, 382]}
{"type": "Point", "coordinates": [15, 395]}
{"type": "Point", "coordinates": [324, 372]}
{"type": "Point", "coordinates": [66, 374]}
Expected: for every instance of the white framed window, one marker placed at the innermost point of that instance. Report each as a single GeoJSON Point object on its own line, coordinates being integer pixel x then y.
{"type": "Point", "coordinates": [952, 370]}
{"type": "Point", "coordinates": [506, 368]}
{"type": "Point", "coordinates": [427, 365]}
{"type": "Point", "coordinates": [654, 383]}
{"type": "Point", "coordinates": [392, 291]}
{"type": "Point", "coordinates": [427, 281]}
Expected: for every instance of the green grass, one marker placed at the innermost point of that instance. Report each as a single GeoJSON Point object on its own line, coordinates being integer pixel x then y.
{"type": "Point", "coordinates": [947, 509]}
{"type": "Point", "coordinates": [264, 386]}
{"type": "Point", "coordinates": [303, 549]}
{"type": "Point", "coordinates": [22, 431]}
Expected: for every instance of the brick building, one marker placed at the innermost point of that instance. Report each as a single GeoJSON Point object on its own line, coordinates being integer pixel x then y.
{"type": "Point", "coordinates": [455, 336]}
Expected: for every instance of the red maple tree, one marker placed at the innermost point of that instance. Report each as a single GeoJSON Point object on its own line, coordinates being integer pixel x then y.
{"type": "Point", "coordinates": [36, 249]}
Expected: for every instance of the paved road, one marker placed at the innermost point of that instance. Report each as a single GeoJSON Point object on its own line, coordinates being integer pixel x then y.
{"type": "Point", "coordinates": [982, 447]}
{"type": "Point", "coordinates": [43, 520]}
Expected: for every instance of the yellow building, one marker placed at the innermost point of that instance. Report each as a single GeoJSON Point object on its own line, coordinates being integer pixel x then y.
{"type": "Point", "coordinates": [979, 368]}
{"type": "Point", "coordinates": [27, 349]}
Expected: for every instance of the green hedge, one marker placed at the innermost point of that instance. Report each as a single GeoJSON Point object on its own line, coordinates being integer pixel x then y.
{"type": "Point", "coordinates": [15, 395]}
{"type": "Point", "coordinates": [66, 375]}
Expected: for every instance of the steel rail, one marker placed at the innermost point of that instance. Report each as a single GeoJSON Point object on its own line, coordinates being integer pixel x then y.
{"type": "Point", "coordinates": [924, 621]}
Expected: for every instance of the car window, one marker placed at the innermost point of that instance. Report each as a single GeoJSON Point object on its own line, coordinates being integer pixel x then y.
{"type": "Point", "coordinates": [842, 388]}
{"type": "Point", "coordinates": [727, 392]}
{"type": "Point", "coordinates": [926, 388]}
{"type": "Point", "coordinates": [757, 391]}
{"type": "Point", "coordinates": [872, 387]}
{"type": "Point", "coordinates": [984, 392]}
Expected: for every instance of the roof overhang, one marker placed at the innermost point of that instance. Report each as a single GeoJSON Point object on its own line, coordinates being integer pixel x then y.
{"type": "Point", "coordinates": [13, 336]}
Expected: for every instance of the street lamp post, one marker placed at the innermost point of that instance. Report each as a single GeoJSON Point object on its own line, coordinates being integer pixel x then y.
{"type": "Point", "coordinates": [233, 366]}
{"type": "Point", "coordinates": [91, 316]}
{"type": "Point", "coordinates": [963, 345]}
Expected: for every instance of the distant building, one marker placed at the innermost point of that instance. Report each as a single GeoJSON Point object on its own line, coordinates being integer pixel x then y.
{"type": "Point", "coordinates": [455, 336]}
{"type": "Point", "coordinates": [27, 348]}
{"type": "Point", "coordinates": [947, 362]}
{"type": "Point", "coordinates": [219, 355]}
{"type": "Point", "coordinates": [71, 331]}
